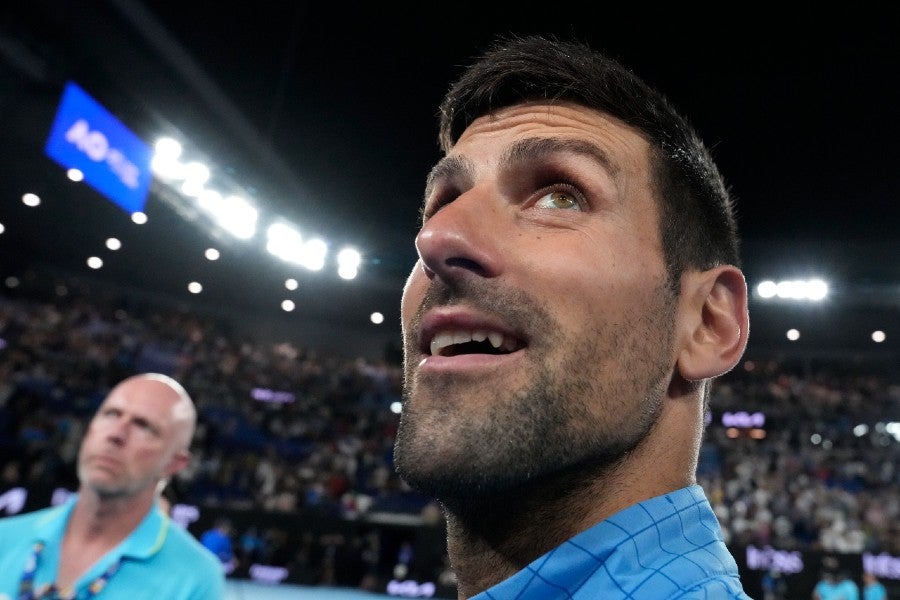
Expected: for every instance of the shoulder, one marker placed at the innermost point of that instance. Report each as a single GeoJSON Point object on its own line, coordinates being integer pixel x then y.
{"type": "Point", "coordinates": [192, 572]}
{"type": "Point", "coordinates": [14, 527]}
{"type": "Point", "coordinates": [181, 545]}
{"type": "Point", "coordinates": [18, 534]}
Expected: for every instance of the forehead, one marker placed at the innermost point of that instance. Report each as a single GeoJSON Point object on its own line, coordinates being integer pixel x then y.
{"type": "Point", "coordinates": [146, 398]}
{"type": "Point", "coordinates": [624, 145]}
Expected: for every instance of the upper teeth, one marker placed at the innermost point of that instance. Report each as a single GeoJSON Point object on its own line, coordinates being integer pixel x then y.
{"type": "Point", "coordinates": [449, 338]}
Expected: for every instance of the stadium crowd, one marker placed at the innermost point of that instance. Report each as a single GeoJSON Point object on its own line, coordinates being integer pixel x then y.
{"type": "Point", "coordinates": [284, 428]}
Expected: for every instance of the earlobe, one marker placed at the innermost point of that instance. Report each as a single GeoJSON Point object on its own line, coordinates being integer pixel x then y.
{"type": "Point", "coordinates": [178, 462]}
{"type": "Point", "coordinates": [715, 320]}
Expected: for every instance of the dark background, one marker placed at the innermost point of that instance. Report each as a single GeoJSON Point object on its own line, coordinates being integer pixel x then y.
{"type": "Point", "coordinates": [325, 113]}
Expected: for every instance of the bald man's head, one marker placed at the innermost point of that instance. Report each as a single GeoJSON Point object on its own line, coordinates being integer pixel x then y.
{"type": "Point", "coordinates": [140, 435]}
{"type": "Point", "coordinates": [183, 411]}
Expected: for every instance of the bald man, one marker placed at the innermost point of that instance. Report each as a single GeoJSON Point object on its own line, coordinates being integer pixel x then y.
{"type": "Point", "coordinates": [110, 540]}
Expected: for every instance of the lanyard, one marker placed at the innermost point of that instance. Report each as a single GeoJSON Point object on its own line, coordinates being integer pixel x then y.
{"type": "Point", "coordinates": [49, 592]}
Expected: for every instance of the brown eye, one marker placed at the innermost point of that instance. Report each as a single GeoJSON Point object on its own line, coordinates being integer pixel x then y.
{"type": "Point", "coordinates": [559, 200]}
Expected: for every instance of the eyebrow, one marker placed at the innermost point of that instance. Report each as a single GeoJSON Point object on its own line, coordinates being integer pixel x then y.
{"type": "Point", "coordinates": [521, 152]}
{"type": "Point", "coordinates": [449, 167]}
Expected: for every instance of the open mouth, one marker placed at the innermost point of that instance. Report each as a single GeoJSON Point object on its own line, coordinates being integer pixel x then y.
{"type": "Point", "coordinates": [459, 342]}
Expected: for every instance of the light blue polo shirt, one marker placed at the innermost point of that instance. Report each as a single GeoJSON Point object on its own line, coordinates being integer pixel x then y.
{"type": "Point", "coordinates": [664, 548]}
{"type": "Point", "coordinates": [159, 560]}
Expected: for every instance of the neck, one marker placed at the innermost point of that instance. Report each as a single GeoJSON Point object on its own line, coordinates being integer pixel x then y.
{"type": "Point", "coordinates": [491, 539]}
{"type": "Point", "coordinates": [99, 519]}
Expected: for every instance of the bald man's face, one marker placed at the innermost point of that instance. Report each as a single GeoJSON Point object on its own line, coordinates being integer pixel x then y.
{"type": "Point", "coordinates": [139, 436]}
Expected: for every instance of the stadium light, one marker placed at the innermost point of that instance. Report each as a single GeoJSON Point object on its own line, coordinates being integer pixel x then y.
{"type": "Point", "coordinates": [813, 290]}
{"type": "Point", "coordinates": [348, 263]}
{"type": "Point", "coordinates": [234, 214]}
{"type": "Point", "coordinates": [165, 163]}
{"type": "Point", "coordinates": [196, 175]}
{"type": "Point", "coordinates": [189, 182]}
{"type": "Point", "coordinates": [286, 243]}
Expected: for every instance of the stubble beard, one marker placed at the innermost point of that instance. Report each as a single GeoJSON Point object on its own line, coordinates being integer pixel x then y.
{"type": "Point", "coordinates": [550, 426]}
{"type": "Point", "coordinates": [111, 489]}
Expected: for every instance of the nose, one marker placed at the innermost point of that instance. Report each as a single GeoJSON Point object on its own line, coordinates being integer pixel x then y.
{"type": "Point", "coordinates": [117, 432]}
{"type": "Point", "coordinates": [463, 238]}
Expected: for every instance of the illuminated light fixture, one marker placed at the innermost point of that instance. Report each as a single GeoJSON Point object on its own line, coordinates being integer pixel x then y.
{"type": "Point", "coordinates": [11, 282]}
{"type": "Point", "coordinates": [30, 199]}
{"type": "Point", "coordinates": [113, 244]}
{"type": "Point", "coordinates": [139, 218]}
{"type": "Point", "coordinates": [377, 318]}
{"type": "Point", "coordinates": [94, 262]}
{"type": "Point", "coordinates": [168, 148]}
{"type": "Point", "coordinates": [793, 335]}
{"type": "Point", "coordinates": [348, 263]}
{"type": "Point", "coordinates": [234, 214]}
{"type": "Point", "coordinates": [211, 254]}
{"type": "Point", "coordinates": [878, 336]}
{"type": "Point", "coordinates": [195, 177]}
{"type": "Point", "coordinates": [314, 252]}
{"type": "Point", "coordinates": [194, 287]}
{"type": "Point", "coordinates": [861, 430]}
{"type": "Point", "coordinates": [286, 243]}
{"type": "Point", "coordinates": [291, 284]}
{"type": "Point", "coordinates": [288, 305]}
{"type": "Point", "coordinates": [396, 407]}
{"type": "Point", "coordinates": [209, 200]}
{"type": "Point", "coordinates": [892, 428]}
{"type": "Point", "coordinates": [165, 162]}
{"type": "Point", "coordinates": [793, 289]}
{"type": "Point", "coordinates": [75, 174]}
{"type": "Point", "coordinates": [2, 228]}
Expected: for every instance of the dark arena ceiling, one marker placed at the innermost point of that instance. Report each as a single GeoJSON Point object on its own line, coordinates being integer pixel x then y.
{"type": "Point", "coordinates": [324, 115]}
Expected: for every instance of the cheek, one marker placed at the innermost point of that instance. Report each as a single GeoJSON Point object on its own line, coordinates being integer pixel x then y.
{"type": "Point", "coordinates": [413, 292]}
{"type": "Point", "coordinates": [592, 281]}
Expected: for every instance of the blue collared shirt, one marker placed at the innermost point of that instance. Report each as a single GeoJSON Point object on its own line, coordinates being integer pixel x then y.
{"type": "Point", "coordinates": [158, 560]}
{"type": "Point", "coordinates": [667, 547]}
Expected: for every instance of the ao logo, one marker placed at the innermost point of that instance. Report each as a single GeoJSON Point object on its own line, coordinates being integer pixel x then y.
{"type": "Point", "coordinates": [95, 145]}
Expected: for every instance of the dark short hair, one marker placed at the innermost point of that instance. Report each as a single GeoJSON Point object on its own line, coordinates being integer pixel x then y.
{"type": "Point", "coordinates": [697, 223]}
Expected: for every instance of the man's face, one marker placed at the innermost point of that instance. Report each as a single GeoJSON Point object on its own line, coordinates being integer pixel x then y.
{"type": "Point", "coordinates": [537, 323]}
{"type": "Point", "coordinates": [134, 440]}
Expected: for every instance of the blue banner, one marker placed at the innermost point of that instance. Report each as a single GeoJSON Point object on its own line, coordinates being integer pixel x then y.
{"type": "Point", "coordinates": [114, 161]}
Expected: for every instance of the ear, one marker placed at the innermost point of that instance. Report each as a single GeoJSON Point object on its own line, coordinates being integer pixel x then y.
{"type": "Point", "coordinates": [179, 461]}
{"type": "Point", "coordinates": [713, 321]}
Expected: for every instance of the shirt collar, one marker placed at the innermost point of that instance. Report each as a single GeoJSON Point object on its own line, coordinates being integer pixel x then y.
{"type": "Point", "coordinates": [145, 541]}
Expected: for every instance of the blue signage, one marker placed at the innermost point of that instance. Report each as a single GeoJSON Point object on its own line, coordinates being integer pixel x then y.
{"type": "Point", "coordinates": [87, 137]}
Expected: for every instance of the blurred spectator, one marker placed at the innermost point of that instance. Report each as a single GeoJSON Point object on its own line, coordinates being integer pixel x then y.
{"type": "Point", "coordinates": [872, 588]}
{"type": "Point", "coordinates": [218, 540]}
{"type": "Point", "coordinates": [283, 428]}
